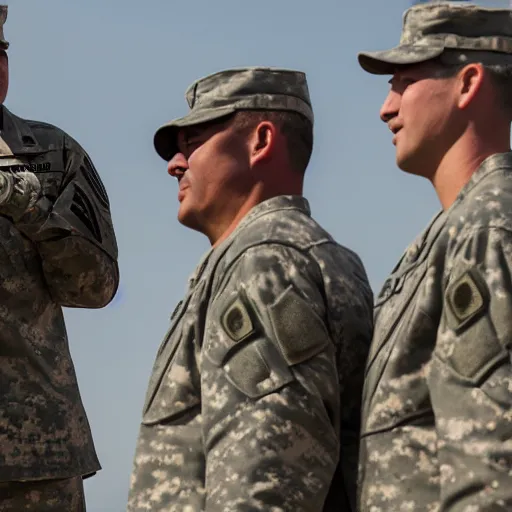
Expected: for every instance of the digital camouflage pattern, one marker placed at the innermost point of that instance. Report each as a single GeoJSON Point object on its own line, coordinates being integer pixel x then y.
{"type": "Point", "coordinates": [223, 93]}
{"type": "Point", "coordinates": [60, 252]}
{"type": "Point", "coordinates": [255, 393]}
{"type": "Point", "coordinates": [43, 496]}
{"type": "Point", "coordinates": [437, 403]}
{"type": "Point", "coordinates": [432, 30]}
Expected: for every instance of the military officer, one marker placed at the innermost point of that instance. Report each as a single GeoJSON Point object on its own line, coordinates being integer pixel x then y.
{"type": "Point", "coordinates": [254, 400]}
{"type": "Point", "coordinates": [57, 248]}
{"type": "Point", "coordinates": [437, 402]}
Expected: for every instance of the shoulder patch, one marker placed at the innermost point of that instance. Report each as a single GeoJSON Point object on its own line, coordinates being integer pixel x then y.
{"type": "Point", "coordinates": [236, 321]}
{"type": "Point", "coordinates": [472, 354]}
{"type": "Point", "coordinates": [467, 298]}
{"type": "Point", "coordinates": [93, 179]}
{"type": "Point", "coordinates": [300, 332]}
{"type": "Point", "coordinates": [83, 210]}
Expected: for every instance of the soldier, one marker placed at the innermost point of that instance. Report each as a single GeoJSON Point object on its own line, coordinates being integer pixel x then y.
{"type": "Point", "coordinates": [437, 402]}
{"type": "Point", "coordinates": [255, 393]}
{"type": "Point", "coordinates": [57, 248]}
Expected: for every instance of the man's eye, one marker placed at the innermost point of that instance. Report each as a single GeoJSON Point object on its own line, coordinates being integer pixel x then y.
{"type": "Point", "coordinates": [405, 81]}
{"type": "Point", "coordinates": [401, 82]}
{"type": "Point", "coordinates": [193, 143]}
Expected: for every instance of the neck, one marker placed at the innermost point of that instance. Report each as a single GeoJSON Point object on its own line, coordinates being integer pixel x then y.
{"type": "Point", "coordinates": [462, 160]}
{"type": "Point", "coordinates": [259, 193]}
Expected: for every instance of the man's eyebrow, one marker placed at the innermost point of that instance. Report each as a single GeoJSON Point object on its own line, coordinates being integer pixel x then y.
{"type": "Point", "coordinates": [191, 133]}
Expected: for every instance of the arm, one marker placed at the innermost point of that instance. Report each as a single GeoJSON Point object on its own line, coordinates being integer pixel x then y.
{"type": "Point", "coordinates": [348, 292]}
{"type": "Point", "coordinates": [471, 377]}
{"type": "Point", "coordinates": [270, 391]}
{"type": "Point", "coordinates": [73, 232]}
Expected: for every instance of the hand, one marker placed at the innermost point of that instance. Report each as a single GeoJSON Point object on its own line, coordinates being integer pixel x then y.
{"type": "Point", "coordinates": [6, 187]}
{"type": "Point", "coordinates": [18, 192]}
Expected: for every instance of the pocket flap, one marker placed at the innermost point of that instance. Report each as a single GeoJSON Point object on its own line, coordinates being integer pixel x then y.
{"type": "Point", "coordinates": [174, 396]}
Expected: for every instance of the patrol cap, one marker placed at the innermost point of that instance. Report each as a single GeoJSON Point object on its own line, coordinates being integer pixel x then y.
{"type": "Point", "coordinates": [226, 92]}
{"type": "Point", "coordinates": [3, 18]}
{"type": "Point", "coordinates": [446, 30]}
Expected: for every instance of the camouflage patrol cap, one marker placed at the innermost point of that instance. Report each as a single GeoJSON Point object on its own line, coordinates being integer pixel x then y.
{"type": "Point", "coordinates": [436, 29]}
{"type": "Point", "coordinates": [3, 18]}
{"type": "Point", "coordinates": [226, 92]}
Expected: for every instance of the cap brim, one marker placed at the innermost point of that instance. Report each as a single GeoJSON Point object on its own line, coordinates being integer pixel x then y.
{"type": "Point", "coordinates": [386, 62]}
{"type": "Point", "coordinates": [165, 139]}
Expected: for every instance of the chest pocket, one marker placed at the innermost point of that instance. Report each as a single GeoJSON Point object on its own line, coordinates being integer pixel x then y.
{"type": "Point", "coordinates": [399, 290]}
{"type": "Point", "coordinates": [174, 387]}
{"type": "Point", "coordinates": [396, 294]}
{"type": "Point", "coordinates": [395, 387]}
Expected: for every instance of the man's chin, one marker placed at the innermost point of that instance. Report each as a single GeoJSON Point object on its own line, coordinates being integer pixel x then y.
{"type": "Point", "coordinates": [414, 166]}
{"type": "Point", "coordinates": [405, 164]}
{"type": "Point", "coordinates": [189, 219]}
{"type": "Point", "coordinates": [183, 218]}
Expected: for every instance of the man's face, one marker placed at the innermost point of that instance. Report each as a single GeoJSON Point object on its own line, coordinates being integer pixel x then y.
{"type": "Point", "coordinates": [211, 168]}
{"type": "Point", "coordinates": [4, 75]}
{"type": "Point", "coordinates": [420, 110]}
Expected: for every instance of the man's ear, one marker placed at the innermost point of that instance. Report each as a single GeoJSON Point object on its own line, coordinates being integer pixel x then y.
{"type": "Point", "coordinates": [469, 81]}
{"type": "Point", "coordinates": [262, 142]}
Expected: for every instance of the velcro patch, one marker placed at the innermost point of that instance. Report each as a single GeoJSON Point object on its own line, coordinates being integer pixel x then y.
{"type": "Point", "coordinates": [468, 299]}
{"type": "Point", "coordinates": [258, 368]}
{"type": "Point", "coordinates": [300, 332]}
{"type": "Point", "coordinates": [475, 354]}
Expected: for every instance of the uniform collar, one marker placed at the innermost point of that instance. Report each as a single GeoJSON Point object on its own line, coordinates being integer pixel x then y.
{"type": "Point", "coordinates": [490, 165]}
{"type": "Point", "coordinates": [17, 138]}
{"type": "Point", "coordinates": [273, 204]}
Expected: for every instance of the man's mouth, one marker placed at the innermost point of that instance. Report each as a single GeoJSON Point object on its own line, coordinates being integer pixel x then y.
{"type": "Point", "coordinates": [184, 185]}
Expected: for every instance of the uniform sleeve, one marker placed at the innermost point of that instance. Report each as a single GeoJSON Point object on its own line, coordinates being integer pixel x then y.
{"type": "Point", "coordinates": [471, 377]}
{"type": "Point", "coordinates": [270, 390]}
{"type": "Point", "coordinates": [74, 235]}
{"type": "Point", "coordinates": [350, 299]}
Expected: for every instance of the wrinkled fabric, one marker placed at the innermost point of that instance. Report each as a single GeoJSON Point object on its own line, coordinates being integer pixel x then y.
{"type": "Point", "coordinates": [254, 399]}
{"type": "Point", "coordinates": [61, 252]}
{"type": "Point", "coordinates": [43, 496]}
{"type": "Point", "coordinates": [429, 29]}
{"type": "Point", "coordinates": [226, 92]}
{"type": "Point", "coordinates": [437, 402]}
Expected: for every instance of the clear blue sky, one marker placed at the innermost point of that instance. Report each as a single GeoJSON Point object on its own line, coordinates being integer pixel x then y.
{"type": "Point", "coordinates": [110, 72]}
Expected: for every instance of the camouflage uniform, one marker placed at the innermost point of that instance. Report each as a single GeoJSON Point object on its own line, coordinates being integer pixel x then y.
{"type": "Point", "coordinates": [57, 248]}
{"type": "Point", "coordinates": [43, 496]}
{"type": "Point", "coordinates": [437, 402]}
{"type": "Point", "coordinates": [255, 393]}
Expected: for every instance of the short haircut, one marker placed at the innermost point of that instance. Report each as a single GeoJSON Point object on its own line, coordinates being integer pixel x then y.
{"type": "Point", "coordinates": [500, 75]}
{"type": "Point", "coordinates": [297, 129]}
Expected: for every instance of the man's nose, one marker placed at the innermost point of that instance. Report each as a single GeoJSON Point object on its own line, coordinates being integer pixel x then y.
{"type": "Point", "coordinates": [390, 107]}
{"type": "Point", "coordinates": [177, 165]}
